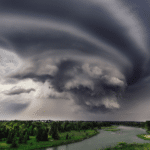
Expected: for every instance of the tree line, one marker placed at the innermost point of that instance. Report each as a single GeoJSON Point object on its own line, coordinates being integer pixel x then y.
{"type": "Point", "coordinates": [18, 132]}
{"type": "Point", "coordinates": [21, 130]}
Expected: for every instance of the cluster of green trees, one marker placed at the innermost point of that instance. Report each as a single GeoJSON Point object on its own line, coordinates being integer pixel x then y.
{"type": "Point", "coordinates": [3, 132]}
{"type": "Point", "coordinates": [18, 132]}
{"type": "Point", "coordinates": [15, 132]}
{"type": "Point", "coordinates": [147, 125]}
{"type": "Point", "coordinates": [58, 127]}
{"type": "Point", "coordinates": [126, 123]}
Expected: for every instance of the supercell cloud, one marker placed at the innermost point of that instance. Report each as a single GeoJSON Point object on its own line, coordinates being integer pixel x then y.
{"type": "Point", "coordinates": [76, 60]}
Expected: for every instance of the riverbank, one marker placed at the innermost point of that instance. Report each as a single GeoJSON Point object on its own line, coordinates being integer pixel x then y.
{"type": "Point", "coordinates": [144, 136]}
{"type": "Point", "coordinates": [133, 146]}
{"type": "Point", "coordinates": [74, 136]}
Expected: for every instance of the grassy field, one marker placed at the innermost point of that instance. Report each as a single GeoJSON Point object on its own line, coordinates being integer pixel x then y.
{"type": "Point", "coordinates": [111, 128]}
{"type": "Point", "coordinates": [75, 136]}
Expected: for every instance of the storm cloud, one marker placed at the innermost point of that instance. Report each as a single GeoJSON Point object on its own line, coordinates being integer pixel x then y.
{"type": "Point", "coordinates": [15, 91]}
{"type": "Point", "coordinates": [91, 56]}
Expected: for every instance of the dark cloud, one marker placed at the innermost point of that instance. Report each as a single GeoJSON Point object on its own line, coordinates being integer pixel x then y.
{"type": "Point", "coordinates": [17, 91]}
{"type": "Point", "coordinates": [41, 78]}
{"type": "Point", "coordinates": [97, 52]}
{"type": "Point", "coordinates": [11, 108]}
{"type": "Point", "coordinates": [62, 75]}
{"type": "Point", "coordinates": [88, 83]}
{"type": "Point", "coordinates": [16, 107]}
{"type": "Point", "coordinates": [90, 90]}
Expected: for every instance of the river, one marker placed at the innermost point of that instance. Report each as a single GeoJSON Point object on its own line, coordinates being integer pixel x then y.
{"type": "Point", "coordinates": [106, 139]}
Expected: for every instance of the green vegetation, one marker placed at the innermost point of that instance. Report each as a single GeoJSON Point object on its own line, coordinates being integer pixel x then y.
{"type": "Point", "coordinates": [147, 125]}
{"type": "Point", "coordinates": [111, 128]}
{"type": "Point", "coordinates": [114, 130]}
{"type": "Point", "coordinates": [74, 136]}
{"type": "Point", "coordinates": [34, 135]}
{"type": "Point", "coordinates": [133, 146]}
{"type": "Point", "coordinates": [144, 136]}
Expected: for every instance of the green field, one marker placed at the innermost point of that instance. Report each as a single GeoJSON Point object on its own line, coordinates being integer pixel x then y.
{"type": "Point", "coordinates": [74, 136]}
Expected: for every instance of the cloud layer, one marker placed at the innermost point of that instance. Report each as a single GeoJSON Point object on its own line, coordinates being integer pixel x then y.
{"type": "Point", "coordinates": [86, 56]}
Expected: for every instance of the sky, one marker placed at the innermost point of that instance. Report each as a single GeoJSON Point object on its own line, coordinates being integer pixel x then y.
{"type": "Point", "coordinates": [75, 60]}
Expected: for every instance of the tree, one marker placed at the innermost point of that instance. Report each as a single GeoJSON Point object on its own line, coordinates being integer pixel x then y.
{"type": "Point", "coordinates": [31, 130]}
{"type": "Point", "coordinates": [1, 134]}
{"type": "Point", "coordinates": [14, 141]}
{"type": "Point", "coordinates": [148, 125]}
{"type": "Point", "coordinates": [60, 128]}
{"type": "Point", "coordinates": [67, 136]}
{"type": "Point", "coordinates": [54, 131]}
{"type": "Point", "coordinates": [10, 137]}
{"type": "Point", "coordinates": [42, 134]}
{"type": "Point", "coordinates": [21, 138]}
{"type": "Point", "coordinates": [25, 138]}
{"type": "Point", "coordinates": [84, 126]}
{"type": "Point", "coordinates": [66, 127]}
{"type": "Point", "coordinates": [16, 130]}
{"type": "Point", "coordinates": [38, 135]}
{"type": "Point", "coordinates": [35, 130]}
{"type": "Point", "coordinates": [79, 123]}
